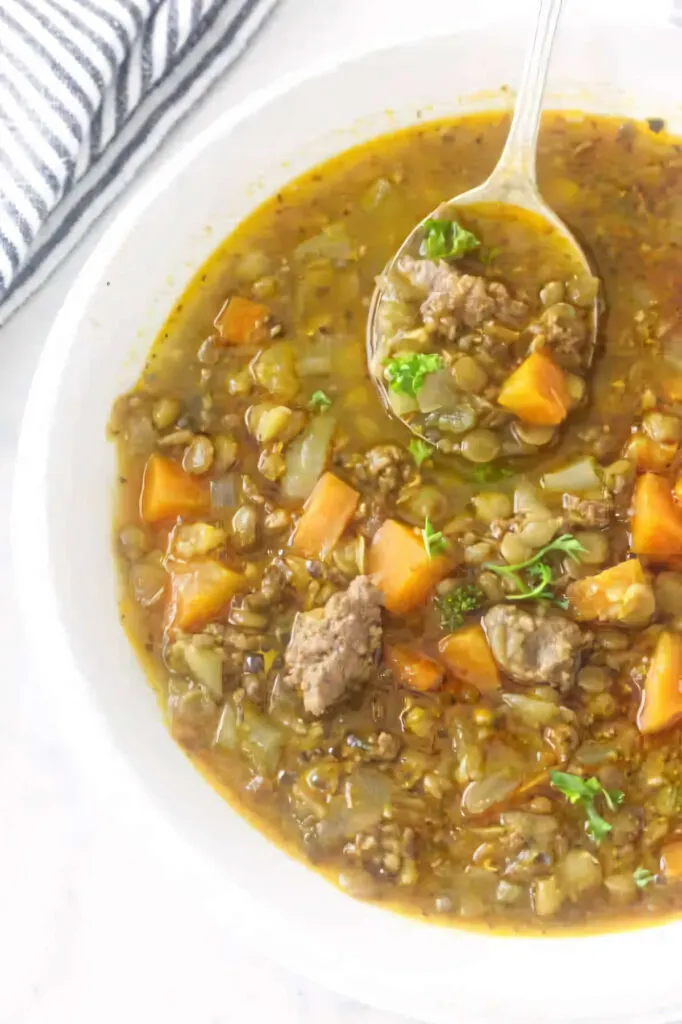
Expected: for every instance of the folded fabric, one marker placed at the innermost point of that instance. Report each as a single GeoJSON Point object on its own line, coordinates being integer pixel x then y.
{"type": "Point", "coordinates": [88, 90]}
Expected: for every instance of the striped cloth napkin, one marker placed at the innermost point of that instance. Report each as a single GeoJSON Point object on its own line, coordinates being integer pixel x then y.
{"type": "Point", "coordinates": [88, 89]}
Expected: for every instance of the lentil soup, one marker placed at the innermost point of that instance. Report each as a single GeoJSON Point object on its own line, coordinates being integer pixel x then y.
{"type": "Point", "coordinates": [445, 672]}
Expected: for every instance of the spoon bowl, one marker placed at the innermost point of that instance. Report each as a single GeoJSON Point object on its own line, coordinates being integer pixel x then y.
{"type": "Point", "coordinates": [512, 185]}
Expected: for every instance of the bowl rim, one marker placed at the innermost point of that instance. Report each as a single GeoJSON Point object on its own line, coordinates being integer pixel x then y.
{"type": "Point", "coordinates": [31, 558]}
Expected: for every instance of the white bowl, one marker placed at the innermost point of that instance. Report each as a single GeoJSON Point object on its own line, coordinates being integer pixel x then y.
{"type": "Point", "coordinates": [63, 502]}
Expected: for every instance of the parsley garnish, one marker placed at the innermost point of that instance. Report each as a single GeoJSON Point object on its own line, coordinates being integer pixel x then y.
{"type": "Point", "coordinates": [319, 400]}
{"type": "Point", "coordinates": [457, 603]}
{"type": "Point", "coordinates": [597, 827]}
{"type": "Point", "coordinates": [584, 792]}
{"type": "Point", "coordinates": [538, 574]}
{"type": "Point", "coordinates": [446, 240]}
{"type": "Point", "coordinates": [434, 541]}
{"type": "Point", "coordinates": [488, 472]}
{"type": "Point", "coordinates": [643, 877]}
{"type": "Point", "coordinates": [542, 573]}
{"type": "Point", "coordinates": [419, 450]}
{"type": "Point", "coordinates": [406, 373]}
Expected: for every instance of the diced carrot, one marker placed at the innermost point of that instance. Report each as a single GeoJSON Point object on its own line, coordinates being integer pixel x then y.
{"type": "Point", "coordinates": [326, 515]}
{"type": "Point", "coordinates": [412, 668]}
{"type": "Point", "coordinates": [199, 592]}
{"type": "Point", "coordinates": [468, 657]}
{"type": "Point", "coordinates": [242, 321]}
{"type": "Point", "coordinates": [537, 391]}
{"type": "Point", "coordinates": [401, 567]}
{"type": "Point", "coordinates": [671, 860]}
{"type": "Point", "coordinates": [168, 492]}
{"type": "Point", "coordinates": [656, 519]}
{"type": "Point", "coordinates": [661, 703]}
{"type": "Point", "coordinates": [596, 597]}
{"type": "Point", "coordinates": [650, 456]}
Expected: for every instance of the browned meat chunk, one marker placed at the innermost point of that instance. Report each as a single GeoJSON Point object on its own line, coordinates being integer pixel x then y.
{"type": "Point", "coordinates": [334, 649]}
{"type": "Point", "coordinates": [386, 466]}
{"type": "Point", "coordinates": [587, 512]}
{"type": "Point", "coordinates": [457, 300]}
{"type": "Point", "coordinates": [454, 300]}
{"type": "Point", "coordinates": [534, 647]}
{"type": "Point", "coordinates": [565, 331]}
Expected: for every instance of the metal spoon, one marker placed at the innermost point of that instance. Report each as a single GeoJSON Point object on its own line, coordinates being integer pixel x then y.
{"type": "Point", "coordinates": [513, 181]}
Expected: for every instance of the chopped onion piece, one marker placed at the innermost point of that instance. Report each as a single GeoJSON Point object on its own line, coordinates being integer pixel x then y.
{"type": "Point", "coordinates": [306, 458]}
{"type": "Point", "coordinates": [362, 805]}
{"type": "Point", "coordinates": [580, 872]}
{"type": "Point", "coordinates": [332, 243]}
{"type": "Point", "coordinates": [148, 581]}
{"type": "Point", "coordinates": [577, 478]}
{"type": "Point", "coordinates": [481, 794]}
{"type": "Point", "coordinates": [525, 497]}
{"type": "Point", "coordinates": [402, 405]}
{"type": "Point", "coordinates": [140, 434]}
{"type": "Point", "coordinates": [437, 392]}
{"type": "Point", "coordinates": [366, 787]}
{"type": "Point", "coordinates": [206, 667]}
{"type": "Point", "coordinates": [534, 712]}
{"type": "Point", "coordinates": [343, 822]}
{"type": "Point", "coordinates": [227, 733]}
{"type": "Point", "coordinates": [592, 752]}
{"type": "Point", "coordinates": [315, 358]}
{"type": "Point", "coordinates": [261, 741]}
{"type": "Point", "coordinates": [224, 491]}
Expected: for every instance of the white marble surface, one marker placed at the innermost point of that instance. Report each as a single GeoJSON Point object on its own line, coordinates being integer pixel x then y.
{"type": "Point", "coordinates": [94, 927]}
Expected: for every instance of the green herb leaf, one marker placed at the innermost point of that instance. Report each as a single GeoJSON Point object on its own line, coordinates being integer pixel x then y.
{"type": "Point", "coordinates": [319, 400]}
{"type": "Point", "coordinates": [543, 574]}
{"type": "Point", "coordinates": [406, 373]}
{"type": "Point", "coordinates": [446, 240]}
{"type": "Point", "coordinates": [643, 877]}
{"type": "Point", "coordinates": [584, 791]}
{"type": "Point", "coordinates": [434, 541]}
{"type": "Point", "coordinates": [419, 450]}
{"type": "Point", "coordinates": [566, 543]}
{"type": "Point", "coordinates": [613, 797]}
{"type": "Point", "coordinates": [457, 603]}
{"type": "Point", "coordinates": [537, 571]}
{"type": "Point", "coordinates": [597, 827]}
{"type": "Point", "coordinates": [573, 787]}
{"type": "Point", "coordinates": [488, 472]}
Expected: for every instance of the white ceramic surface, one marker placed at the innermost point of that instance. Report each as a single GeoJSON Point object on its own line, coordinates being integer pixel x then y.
{"type": "Point", "coordinates": [61, 529]}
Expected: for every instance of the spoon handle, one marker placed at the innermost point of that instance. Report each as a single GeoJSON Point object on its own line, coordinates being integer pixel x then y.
{"type": "Point", "coordinates": [517, 162]}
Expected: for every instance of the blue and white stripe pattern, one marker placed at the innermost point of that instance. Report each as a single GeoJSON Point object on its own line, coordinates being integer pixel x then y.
{"type": "Point", "coordinates": [88, 89]}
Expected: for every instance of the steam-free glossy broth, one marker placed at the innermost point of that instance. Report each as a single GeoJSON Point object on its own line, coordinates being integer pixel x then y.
{"type": "Point", "coordinates": [445, 670]}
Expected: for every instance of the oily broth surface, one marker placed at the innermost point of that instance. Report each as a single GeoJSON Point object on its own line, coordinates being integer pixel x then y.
{"type": "Point", "coordinates": [619, 191]}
